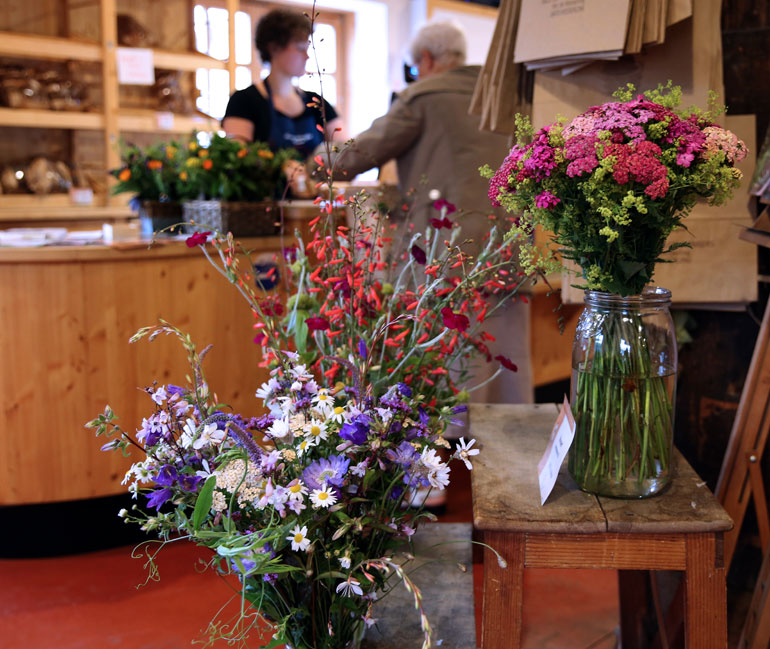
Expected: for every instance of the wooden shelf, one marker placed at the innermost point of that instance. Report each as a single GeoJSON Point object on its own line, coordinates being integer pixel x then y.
{"type": "Point", "coordinates": [41, 118]}
{"type": "Point", "coordinates": [48, 47]}
{"type": "Point", "coordinates": [150, 121]}
{"type": "Point", "coordinates": [52, 48]}
{"type": "Point", "coordinates": [136, 121]}
{"type": "Point", "coordinates": [189, 61]}
{"type": "Point", "coordinates": [56, 207]}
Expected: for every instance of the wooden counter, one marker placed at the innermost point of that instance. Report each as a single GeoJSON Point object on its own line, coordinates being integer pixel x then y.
{"type": "Point", "coordinates": [67, 315]}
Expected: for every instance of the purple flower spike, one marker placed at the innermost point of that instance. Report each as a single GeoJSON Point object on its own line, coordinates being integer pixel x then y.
{"type": "Point", "coordinates": [362, 349]}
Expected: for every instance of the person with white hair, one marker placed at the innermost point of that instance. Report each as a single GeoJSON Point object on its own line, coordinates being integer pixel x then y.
{"type": "Point", "coordinates": [438, 149]}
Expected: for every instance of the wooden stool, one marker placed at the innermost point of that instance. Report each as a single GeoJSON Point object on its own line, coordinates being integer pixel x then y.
{"type": "Point", "coordinates": [681, 529]}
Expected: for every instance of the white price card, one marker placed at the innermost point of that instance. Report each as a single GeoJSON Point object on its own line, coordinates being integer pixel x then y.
{"type": "Point", "coordinates": [561, 438]}
{"type": "Point", "coordinates": [135, 66]}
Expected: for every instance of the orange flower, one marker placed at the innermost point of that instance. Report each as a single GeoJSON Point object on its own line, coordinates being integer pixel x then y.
{"type": "Point", "coordinates": [203, 153]}
{"type": "Point", "coordinates": [242, 153]}
{"type": "Point", "coordinates": [124, 175]}
{"type": "Point", "coordinates": [265, 153]}
{"type": "Point", "coordinates": [207, 164]}
{"type": "Point", "coordinates": [183, 175]}
{"type": "Point", "coordinates": [154, 165]}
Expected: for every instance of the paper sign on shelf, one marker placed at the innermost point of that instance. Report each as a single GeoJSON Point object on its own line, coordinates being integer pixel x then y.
{"type": "Point", "coordinates": [561, 438]}
{"type": "Point", "coordinates": [135, 66]}
{"type": "Point", "coordinates": [164, 120]}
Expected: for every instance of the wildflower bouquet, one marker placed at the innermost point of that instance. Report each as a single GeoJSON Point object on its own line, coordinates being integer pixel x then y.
{"type": "Point", "coordinates": [611, 185]}
{"type": "Point", "coordinates": [615, 181]}
{"type": "Point", "coordinates": [231, 170]}
{"type": "Point", "coordinates": [411, 311]}
{"type": "Point", "coordinates": [305, 504]}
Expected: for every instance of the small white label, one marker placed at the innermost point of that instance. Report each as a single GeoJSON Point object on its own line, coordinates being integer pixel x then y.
{"type": "Point", "coordinates": [81, 195]}
{"type": "Point", "coordinates": [561, 438]}
{"type": "Point", "coordinates": [135, 66]}
{"type": "Point", "coordinates": [165, 120]}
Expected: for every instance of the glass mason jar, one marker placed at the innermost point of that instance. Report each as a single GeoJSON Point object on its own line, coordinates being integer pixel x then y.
{"type": "Point", "coordinates": [623, 392]}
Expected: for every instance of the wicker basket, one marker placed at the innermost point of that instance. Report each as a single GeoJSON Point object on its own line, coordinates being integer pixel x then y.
{"type": "Point", "coordinates": [243, 219]}
{"type": "Point", "coordinates": [155, 215]}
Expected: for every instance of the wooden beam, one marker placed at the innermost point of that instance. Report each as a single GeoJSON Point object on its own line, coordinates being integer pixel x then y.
{"type": "Point", "coordinates": [108, 11]}
{"type": "Point", "coordinates": [232, 7]}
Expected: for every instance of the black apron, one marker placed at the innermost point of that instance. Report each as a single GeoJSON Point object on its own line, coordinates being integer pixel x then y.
{"type": "Point", "coordinates": [298, 132]}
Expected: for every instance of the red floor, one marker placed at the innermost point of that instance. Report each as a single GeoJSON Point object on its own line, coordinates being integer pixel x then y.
{"type": "Point", "coordinates": [91, 601]}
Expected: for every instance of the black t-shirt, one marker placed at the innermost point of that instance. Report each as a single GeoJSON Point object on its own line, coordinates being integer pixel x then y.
{"type": "Point", "coordinates": [278, 130]}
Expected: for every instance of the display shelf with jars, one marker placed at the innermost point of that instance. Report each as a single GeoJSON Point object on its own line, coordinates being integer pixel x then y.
{"type": "Point", "coordinates": [63, 112]}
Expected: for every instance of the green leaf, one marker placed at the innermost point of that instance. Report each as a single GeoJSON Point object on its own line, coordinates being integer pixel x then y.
{"type": "Point", "coordinates": [203, 504]}
{"type": "Point", "coordinates": [301, 331]}
{"type": "Point", "coordinates": [332, 573]}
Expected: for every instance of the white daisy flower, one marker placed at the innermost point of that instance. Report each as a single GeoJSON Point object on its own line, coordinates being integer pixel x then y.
{"type": "Point", "coordinates": [297, 490]}
{"type": "Point", "coordinates": [430, 460]}
{"type": "Point", "coordinates": [298, 538]}
{"type": "Point", "coordinates": [323, 400]}
{"type": "Point", "coordinates": [279, 428]}
{"type": "Point", "coordinates": [350, 587]}
{"type": "Point", "coordinates": [464, 451]}
{"type": "Point", "coordinates": [439, 478]}
{"type": "Point", "coordinates": [337, 415]}
{"type": "Point", "coordinates": [305, 445]}
{"type": "Point", "coordinates": [323, 497]}
{"type": "Point", "coordinates": [316, 430]}
{"type": "Point", "coordinates": [266, 390]}
{"type": "Point", "coordinates": [210, 436]}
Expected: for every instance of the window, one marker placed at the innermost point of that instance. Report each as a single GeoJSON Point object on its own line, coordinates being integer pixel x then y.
{"type": "Point", "coordinates": [212, 37]}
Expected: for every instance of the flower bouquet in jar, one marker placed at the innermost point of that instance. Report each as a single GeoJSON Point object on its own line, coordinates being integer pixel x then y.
{"type": "Point", "coordinates": [611, 185]}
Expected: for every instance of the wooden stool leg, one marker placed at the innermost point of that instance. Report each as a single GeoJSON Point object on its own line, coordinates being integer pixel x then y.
{"type": "Point", "coordinates": [632, 588]}
{"type": "Point", "coordinates": [503, 592]}
{"type": "Point", "coordinates": [705, 603]}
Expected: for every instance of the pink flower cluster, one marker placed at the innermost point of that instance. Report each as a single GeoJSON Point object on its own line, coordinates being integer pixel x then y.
{"type": "Point", "coordinates": [630, 137]}
{"type": "Point", "coordinates": [718, 139]}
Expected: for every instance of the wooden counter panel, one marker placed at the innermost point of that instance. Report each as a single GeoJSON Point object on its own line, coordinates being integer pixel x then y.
{"type": "Point", "coordinates": [65, 354]}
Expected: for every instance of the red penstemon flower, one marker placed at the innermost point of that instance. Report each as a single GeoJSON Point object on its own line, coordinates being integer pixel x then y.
{"type": "Point", "coordinates": [507, 363]}
{"type": "Point", "coordinates": [197, 239]}
{"type": "Point", "coordinates": [317, 324]}
{"type": "Point", "coordinates": [454, 320]}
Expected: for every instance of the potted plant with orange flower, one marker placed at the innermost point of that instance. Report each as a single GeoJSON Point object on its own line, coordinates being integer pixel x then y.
{"type": "Point", "coordinates": [151, 175]}
{"type": "Point", "coordinates": [228, 185]}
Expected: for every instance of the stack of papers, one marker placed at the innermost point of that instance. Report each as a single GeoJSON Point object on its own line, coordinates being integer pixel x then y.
{"type": "Point", "coordinates": [571, 34]}
{"type": "Point", "coordinates": [31, 237]}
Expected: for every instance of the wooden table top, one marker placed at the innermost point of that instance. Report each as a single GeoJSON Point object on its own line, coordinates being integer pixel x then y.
{"type": "Point", "coordinates": [506, 495]}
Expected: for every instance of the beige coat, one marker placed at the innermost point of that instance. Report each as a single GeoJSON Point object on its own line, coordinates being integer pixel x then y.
{"type": "Point", "coordinates": [438, 145]}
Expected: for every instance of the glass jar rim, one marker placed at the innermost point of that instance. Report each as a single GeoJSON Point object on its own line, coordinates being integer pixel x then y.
{"type": "Point", "coordinates": [650, 296]}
